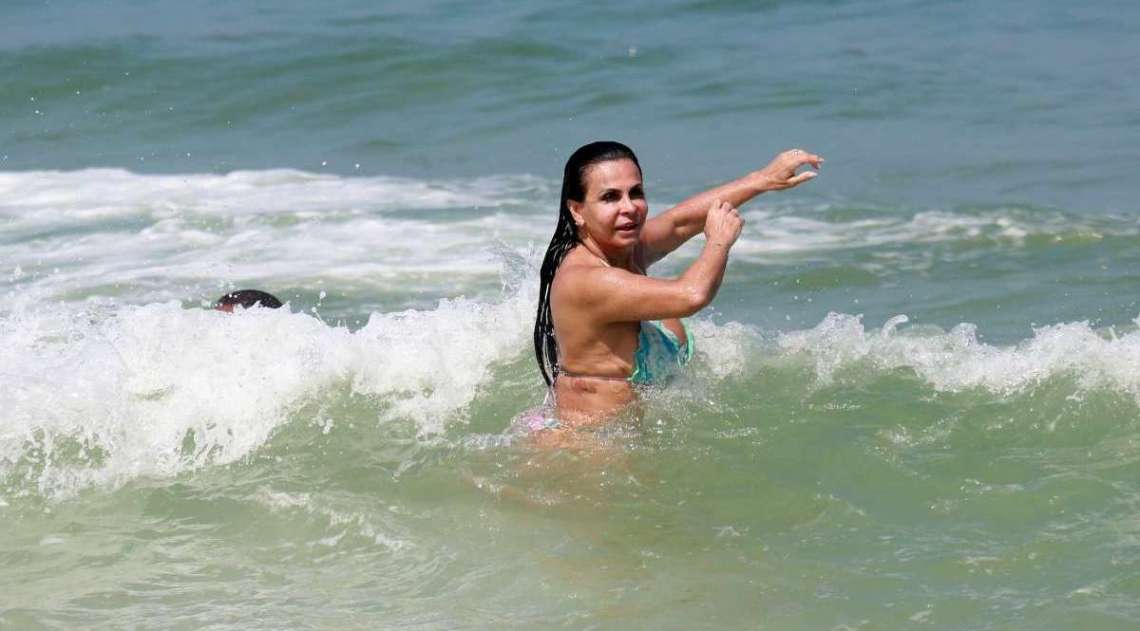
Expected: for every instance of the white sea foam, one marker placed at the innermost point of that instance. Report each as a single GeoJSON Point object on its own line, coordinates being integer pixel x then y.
{"type": "Point", "coordinates": [726, 348]}
{"type": "Point", "coordinates": [48, 198]}
{"type": "Point", "coordinates": [100, 398]}
{"type": "Point", "coordinates": [957, 360]}
{"type": "Point", "coordinates": [791, 233]}
{"type": "Point", "coordinates": [149, 238]}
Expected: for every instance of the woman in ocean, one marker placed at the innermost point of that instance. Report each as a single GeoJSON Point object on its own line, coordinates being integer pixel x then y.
{"type": "Point", "coordinates": [603, 326]}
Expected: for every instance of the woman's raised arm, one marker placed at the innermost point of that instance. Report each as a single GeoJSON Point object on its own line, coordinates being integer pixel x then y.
{"type": "Point", "coordinates": [669, 230]}
{"type": "Point", "coordinates": [612, 294]}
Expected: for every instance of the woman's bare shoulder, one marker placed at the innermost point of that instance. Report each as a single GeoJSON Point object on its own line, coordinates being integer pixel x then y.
{"type": "Point", "coordinates": [577, 276]}
{"type": "Point", "coordinates": [577, 261]}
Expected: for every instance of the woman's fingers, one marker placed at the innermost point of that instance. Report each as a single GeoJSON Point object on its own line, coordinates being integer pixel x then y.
{"type": "Point", "coordinates": [799, 157]}
{"type": "Point", "coordinates": [782, 171]}
{"type": "Point", "coordinates": [801, 178]}
{"type": "Point", "coordinates": [724, 208]}
{"type": "Point", "coordinates": [723, 223]}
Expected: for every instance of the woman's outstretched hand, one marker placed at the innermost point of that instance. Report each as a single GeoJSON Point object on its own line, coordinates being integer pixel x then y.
{"type": "Point", "coordinates": [723, 224]}
{"type": "Point", "coordinates": [781, 172]}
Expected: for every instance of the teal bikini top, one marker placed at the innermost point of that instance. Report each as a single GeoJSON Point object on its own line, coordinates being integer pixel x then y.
{"type": "Point", "coordinates": [659, 355]}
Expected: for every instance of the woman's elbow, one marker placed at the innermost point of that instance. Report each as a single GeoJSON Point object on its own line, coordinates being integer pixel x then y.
{"type": "Point", "coordinates": [695, 299]}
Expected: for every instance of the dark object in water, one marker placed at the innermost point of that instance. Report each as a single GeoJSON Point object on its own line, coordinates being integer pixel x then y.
{"type": "Point", "coordinates": [247, 298]}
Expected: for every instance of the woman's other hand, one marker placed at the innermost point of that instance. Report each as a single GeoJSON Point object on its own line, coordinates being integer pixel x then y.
{"type": "Point", "coordinates": [781, 172]}
{"type": "Point", "coordinates": [723, 224]}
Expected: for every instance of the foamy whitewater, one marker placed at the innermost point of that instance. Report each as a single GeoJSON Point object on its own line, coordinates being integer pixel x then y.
{"type": "Point", "coordinates": [915, 401]}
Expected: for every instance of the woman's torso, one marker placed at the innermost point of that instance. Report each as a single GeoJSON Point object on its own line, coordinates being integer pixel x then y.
{"type": "Point", "coordinates": [595, 359]}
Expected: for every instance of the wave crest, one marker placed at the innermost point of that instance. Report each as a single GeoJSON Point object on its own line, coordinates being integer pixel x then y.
{"type": "Point", "coordinates": [957, 359]}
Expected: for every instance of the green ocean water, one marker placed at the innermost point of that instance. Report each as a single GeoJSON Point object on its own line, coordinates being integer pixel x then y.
{"type": "Point", "coordinates": [914, 402]}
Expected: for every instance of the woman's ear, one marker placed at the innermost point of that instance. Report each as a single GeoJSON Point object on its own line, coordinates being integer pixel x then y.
{"type": "Point", "coordinates": [576, 212]}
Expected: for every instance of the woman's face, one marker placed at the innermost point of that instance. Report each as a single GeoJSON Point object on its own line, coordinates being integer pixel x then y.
{"type": "Point", "coordinates": [614, 208]}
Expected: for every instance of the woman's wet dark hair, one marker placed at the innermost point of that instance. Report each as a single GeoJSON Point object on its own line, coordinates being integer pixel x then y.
{"type": "Point", "coordinates": [564, 239]}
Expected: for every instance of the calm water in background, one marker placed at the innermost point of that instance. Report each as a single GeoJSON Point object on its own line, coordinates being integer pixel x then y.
{"type": "Point", "coordinates": [393, 172]}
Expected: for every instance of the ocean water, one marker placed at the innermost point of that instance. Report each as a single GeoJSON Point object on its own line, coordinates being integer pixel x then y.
{"type": "Point", "coordinates": [915, 402]}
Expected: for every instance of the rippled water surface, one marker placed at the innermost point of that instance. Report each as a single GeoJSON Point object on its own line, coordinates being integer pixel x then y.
{"type": "Point", "coordinates": [914, 402]}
